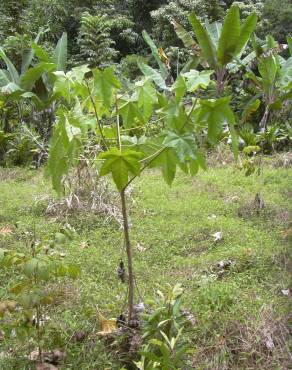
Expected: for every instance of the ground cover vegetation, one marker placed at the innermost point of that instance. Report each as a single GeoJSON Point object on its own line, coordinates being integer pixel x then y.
{"type": "Point", "coordinates": [101, 98]}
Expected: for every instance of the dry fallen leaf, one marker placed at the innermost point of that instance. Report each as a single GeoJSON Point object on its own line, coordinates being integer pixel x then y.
{"type": "Point", "coordinates": [6, 230]}
{"type": "Point", "coordinates": [108, 326]}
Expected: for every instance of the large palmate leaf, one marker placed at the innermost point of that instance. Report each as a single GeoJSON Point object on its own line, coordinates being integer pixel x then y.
{"type": "Point", "coordinates": [176, 116]}
{"type": "Point", "coordinates": [163, 70]}
{"type": "Point", "coordinates": [246, 31]}
{"type": "Point", "coordinates": [216, 113]}
{"type": "Point", "coordinates": [229, 37]}
{"type": "Point", "coordinates": [196, 79]}
{"type": "Point", "coordinates": [62, 86]}
{"type": "Point", "coordinates": [146, 95]}
{"type": "Point", "coordinates": [131, 114]}
{"type": "Point", "coordinates": [184, 145]}
{"type": "Point", "coordinates": [64, 149]}
{"type": "Point", "coordinates": [120, 163]}
{"type": "Point", "coordinates": [179, 87]}
{"type": "Point", "coordinates": [204, 39]}
{"type": "Point", "coordinates": [60, 53]}
{"type": "Point", "coordinates": [13, 74]}
{"type": "Point", "coordinates": [167, 161]}
{"type": "Point", "coordinates": [29, 78]}
{"type": "Point", "coordinates": [152, 74]}
{"type": "Point", "coordinates": [105, 85]}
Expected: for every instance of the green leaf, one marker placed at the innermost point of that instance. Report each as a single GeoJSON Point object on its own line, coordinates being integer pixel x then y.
{"type": "Point", "coordinates": [216, 113]}
{"type": "Point", "coordinates": [152, 74]}
{"type": "Point", "coordinates": [155, 53]}
{"type": "Point", "coordinates": [28, 57]}
{"type": "Point", "coordinates": [4, 78]}
{"type": "Point", "coordinates": [196, 79]}
{"type": "Point", "coordinates": [131, 114]}
{"type": "Point", "coordinates": [285, 81]}
{"type": "Point", "coordinates": [176, 116]}
{"type": "Point", "coordinates": [250, 108]}
{"type": "Point", "coordinates": [30, 267]}
{"type": "Point", "coordinates": [268, 68]}
{"type": "Point", "coordinates": [246, 31]}
{"type": "Point", "coordinates": [214, 30]}
{"type": "Point", "coordinates": [60, 53]}
{"type": "Point", "coordinates": [184, 145]}
{"type": "Point", "coordinates": [184, 35]}
{"type": "Point", "coordinates": [65, 146]}
{"type": "Point", "coordinates": [147, 97]}
{"type": "Point", "coordinates": [14, 76]}
{"type": "Point", "coordinates": [229, 37]}
{"type": "Point", "coordinates": [179, 87]}
{"type": "Point", "coordinates": [120, 164]}
{"type": "Point", "coordinates": [289, 42]}
{"type": "Point", "coordinates": [105, 85]}
{"type": "Point", "coordinates": [204, 40]}
{"type": "Point", "coordinates": [29, 78]}
{"type": "Point", "coordinates": [62, 86]}
{"type": "Point", "coordinates": [167, 161]}
{"type": "Point", "coordinates": [42, 55]}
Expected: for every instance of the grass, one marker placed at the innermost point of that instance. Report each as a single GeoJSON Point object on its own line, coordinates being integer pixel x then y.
{"type": "Point", "coordinates": [236, 311]}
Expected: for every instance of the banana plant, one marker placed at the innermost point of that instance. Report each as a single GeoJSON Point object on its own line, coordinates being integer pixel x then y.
{"type": "Point", "coordinates": [272, 84]}
{"type": "Point", "coordinates": [218, 45]}
{"type": "Point", "coordinates": [29, 81]}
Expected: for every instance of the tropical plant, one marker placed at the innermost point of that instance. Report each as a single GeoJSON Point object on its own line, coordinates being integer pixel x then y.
{"type": "Point", "coordinates": [32, 85]}
{"type": "Point", "coordinates": [122, 122]}
{"type": "Point", "coordinates": [163, 346]}
{"type": "Point", "coordinates": [218, 45]}
{"type": "Point", "coordinates": [96, 45]}
{"type": "Point", "coordinates": [23, 310]}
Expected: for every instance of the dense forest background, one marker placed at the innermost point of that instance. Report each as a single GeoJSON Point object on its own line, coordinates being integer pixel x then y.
{"type": "Point", "coordinates": [103, 32]}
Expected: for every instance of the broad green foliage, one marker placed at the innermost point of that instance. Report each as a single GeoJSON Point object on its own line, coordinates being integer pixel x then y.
{"type": "Point", "coordinates": [204, 39]}
{"type": "Point", "coordinates": [220, 45]}
{"type": "Point", "coordinates": [163, 70]}
{"type": "Point", "coordinates": [105, 84]}
{"type": "Point", "coordinates": [152, 74]}
{"type": "Point", "coordinates": [120, 164]}
{"type": "Point", "coordinates": [163, 346]}
{"type": "Point", "coordinates": [174, 145]}
{"type": "Point", "coordinates": [196, 80]}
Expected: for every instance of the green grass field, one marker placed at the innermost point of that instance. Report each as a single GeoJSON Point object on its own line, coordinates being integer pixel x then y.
{"type": "Point", "coordinates": [239, 310]}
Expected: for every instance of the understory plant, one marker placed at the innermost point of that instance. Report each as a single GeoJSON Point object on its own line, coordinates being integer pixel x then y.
{"type": "Point", "coordinates": [163, 346]}
{"type": "Point", "coordinates": [25, 310]}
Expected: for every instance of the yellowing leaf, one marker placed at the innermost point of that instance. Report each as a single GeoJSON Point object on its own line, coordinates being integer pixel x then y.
{"type": "Point", "coordinates": [108, 326]}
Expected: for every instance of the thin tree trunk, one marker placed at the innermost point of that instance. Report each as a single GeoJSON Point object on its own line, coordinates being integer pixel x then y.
{"type": "Point", "coordinates": [129, 254]}
{"type": "Point", "coordinates": [264, 120]}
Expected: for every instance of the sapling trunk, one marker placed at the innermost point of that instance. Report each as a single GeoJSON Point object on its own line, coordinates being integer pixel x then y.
{"type": "Point", "coordinates": [129, 254]}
